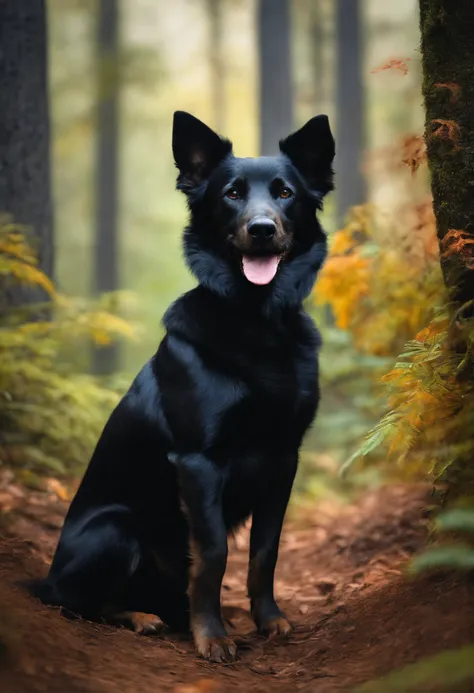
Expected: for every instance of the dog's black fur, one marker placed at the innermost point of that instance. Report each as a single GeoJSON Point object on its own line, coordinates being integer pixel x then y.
{"type": "Point", "coordinates": [210, 429]}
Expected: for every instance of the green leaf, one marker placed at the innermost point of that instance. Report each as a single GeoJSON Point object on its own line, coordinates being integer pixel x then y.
{"type": "Point", "coordinates": [459, 557]}
{"type": "Point", "coordinates": [373, 441]}
{"type": "Point", "coordinates": [458, 520]}
{"type": "Point", "coordinates": [412, 348]}
{"type": "Point", "coordinates": [403, 365]}
{"type": "Point", "coordinates": [440, 672]}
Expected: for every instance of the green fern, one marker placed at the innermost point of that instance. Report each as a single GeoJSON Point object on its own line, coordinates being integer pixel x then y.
{"type": "Point", "coordinates": [458, 555]}
{"type": "Point", "coordinates": [51, 413]}
{"type": "Point", "coordinates": [438, 673]}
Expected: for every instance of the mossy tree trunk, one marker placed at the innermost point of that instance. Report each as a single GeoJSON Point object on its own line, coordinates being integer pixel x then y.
{"type": "Point", "coordinates": [447, 45]}
{"type": "Point", "coordinates": [25, 189]}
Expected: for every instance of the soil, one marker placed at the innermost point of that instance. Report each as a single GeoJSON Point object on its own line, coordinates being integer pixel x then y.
{"type": "Point", "coordinates": [340, 579]}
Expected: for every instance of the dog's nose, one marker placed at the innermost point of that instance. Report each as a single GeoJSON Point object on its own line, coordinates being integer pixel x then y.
{"type": "Point", "coordinates": [261, 228]}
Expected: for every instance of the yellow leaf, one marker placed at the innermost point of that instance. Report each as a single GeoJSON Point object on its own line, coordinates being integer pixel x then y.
{"type": "Point", "coordinates": [58, 488]}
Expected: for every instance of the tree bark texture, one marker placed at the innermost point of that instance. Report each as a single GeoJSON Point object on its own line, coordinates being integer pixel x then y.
{"type": "Point", "coordinates": [447, 46]}
{"type": "Point", "coordinates": [25, 187]}
{"type": "Point", "coordinates": [275, 92]}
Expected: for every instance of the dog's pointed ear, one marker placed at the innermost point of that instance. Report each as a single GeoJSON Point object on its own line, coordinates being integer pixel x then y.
{"type": "Point", "coordinates": [311, 149]}
{"type": "Point", "coordinates": [197, 150]}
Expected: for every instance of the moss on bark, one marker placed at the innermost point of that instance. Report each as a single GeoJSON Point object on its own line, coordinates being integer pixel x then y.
{"type": "Point", "coordinates": [447, 45]}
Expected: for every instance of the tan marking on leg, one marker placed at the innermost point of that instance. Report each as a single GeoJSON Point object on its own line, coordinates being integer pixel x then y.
{"type": "Point", "coordinates": [215, 649]}
{"type": "Point", "coordinates": [277, 627]}
{"type": "Point", "coordinates": [254, 576]}
{"type": "Point", "coordinates": [141, 623]}
{"type": "Point", "coordinates": [196, 563]}
{"type": "Point", "coordinates": [273, 628]}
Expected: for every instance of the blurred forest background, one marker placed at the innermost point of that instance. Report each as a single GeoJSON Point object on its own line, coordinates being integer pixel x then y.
{"type": "Point", "coordinates": [90, 258]}
{"type": "Point", "coordinates": [254, 70]}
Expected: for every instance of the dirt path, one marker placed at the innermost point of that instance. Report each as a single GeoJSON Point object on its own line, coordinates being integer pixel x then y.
{"type": "Point", "coordinates": [339, 580]}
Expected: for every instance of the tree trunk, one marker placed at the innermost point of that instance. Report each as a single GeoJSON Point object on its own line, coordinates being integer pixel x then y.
{"type": "Point", "coordinates": [215, 10]}
{"type": "Point", "coordinates": [25, 187]}
{"type": "Point", "coordinates": [350, 181]}
{"type": "Point", "coordinates": [316, 32]}
{"type": "Point", "coordinates": [105, 359]}
{"type": "Point", "coordinates": [447, 45]}
{"type": "Point", "coordinates": [276, 98]}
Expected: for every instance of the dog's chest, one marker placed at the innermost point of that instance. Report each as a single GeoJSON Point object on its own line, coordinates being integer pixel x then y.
{"type": "Point", "coordinates": [253, 395]}
{"type": "Point", "coordinates": [239, 385]}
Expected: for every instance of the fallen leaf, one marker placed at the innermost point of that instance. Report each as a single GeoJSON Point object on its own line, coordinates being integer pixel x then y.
{"type": "Point", "coordinates": [400, 64]}
{"type": "Point", "coordinates": [58, 488]}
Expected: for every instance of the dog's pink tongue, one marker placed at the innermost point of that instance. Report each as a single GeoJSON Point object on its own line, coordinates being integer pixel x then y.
{"type": "Point", "coordinates": [260, 270]}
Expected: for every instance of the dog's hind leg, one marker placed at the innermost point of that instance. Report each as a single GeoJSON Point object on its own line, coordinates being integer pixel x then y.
{"type": "Point", "coordinates": [96, 558]}
{"type": "Point", "coordinates": [159, 585]}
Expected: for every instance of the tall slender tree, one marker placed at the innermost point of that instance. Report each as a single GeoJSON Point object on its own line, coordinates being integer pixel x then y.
{"type": "Point", "coordinates": [106, 260]}
{"type": "Point", "coordinates": [447, 46]}
{"type": "Point", "coordinates": [351, 188]}
{"type": "Point", "coordinates": [315, 19]}
{"type": "Point", "coordinates": [25, 187]}
{"type": "Point", "coordinates": [276, 93]}
{"type": "Point", "coordinates": [215, 10]}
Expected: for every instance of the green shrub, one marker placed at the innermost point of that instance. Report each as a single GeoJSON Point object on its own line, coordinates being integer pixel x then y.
{"type": "Point", "coordinates": [51, 411]}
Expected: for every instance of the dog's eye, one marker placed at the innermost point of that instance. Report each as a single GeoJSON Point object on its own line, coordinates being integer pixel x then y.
{"type": "Point", "coordinates": [232, 194]}
{"type": "Point", "coordinates": [285, 193]}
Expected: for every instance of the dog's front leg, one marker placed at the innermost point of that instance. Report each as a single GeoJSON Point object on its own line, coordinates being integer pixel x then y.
{"type": "Point", "coordinates": [201, 487]}
{"type": "Point", "coordinates": [267, 521]}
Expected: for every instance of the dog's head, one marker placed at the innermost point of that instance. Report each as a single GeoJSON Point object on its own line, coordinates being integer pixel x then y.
{"type": "Point", "coordinates": [253, 221]}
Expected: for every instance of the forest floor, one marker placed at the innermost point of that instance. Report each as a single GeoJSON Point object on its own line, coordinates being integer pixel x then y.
{"type": "Point", "coordinates": [339, 579]}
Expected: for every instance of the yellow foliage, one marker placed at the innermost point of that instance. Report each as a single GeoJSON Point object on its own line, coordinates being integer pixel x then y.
{"type": "Point", "coordinates": [430, 419]}
{"type": "Point", "coordinates": [56, 487]}
{"type": "Point", "coordinates": [382, 284]}
{"type": "Point", "coordinates": [26, 274]}
{"type": "Point", "coordinates": [13, 244]}
{"type": "Point", "coordinates": [343, 282]}
{"type": "Point", "coordinates": [51, 414]}
{"type": "Point", "coordinates": [17, 259]}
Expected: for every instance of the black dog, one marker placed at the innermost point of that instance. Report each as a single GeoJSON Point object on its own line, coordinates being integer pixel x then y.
{"type": "Point", "coordinates": [209, 432]}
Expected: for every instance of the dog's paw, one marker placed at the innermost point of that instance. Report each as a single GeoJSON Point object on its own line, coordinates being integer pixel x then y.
{"type": "Point", "coordinates": [276, 628]}
{"type": "Point", "coordinates": [146, 624]}
{"type": "Point", "coordinates": [220, 649]}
